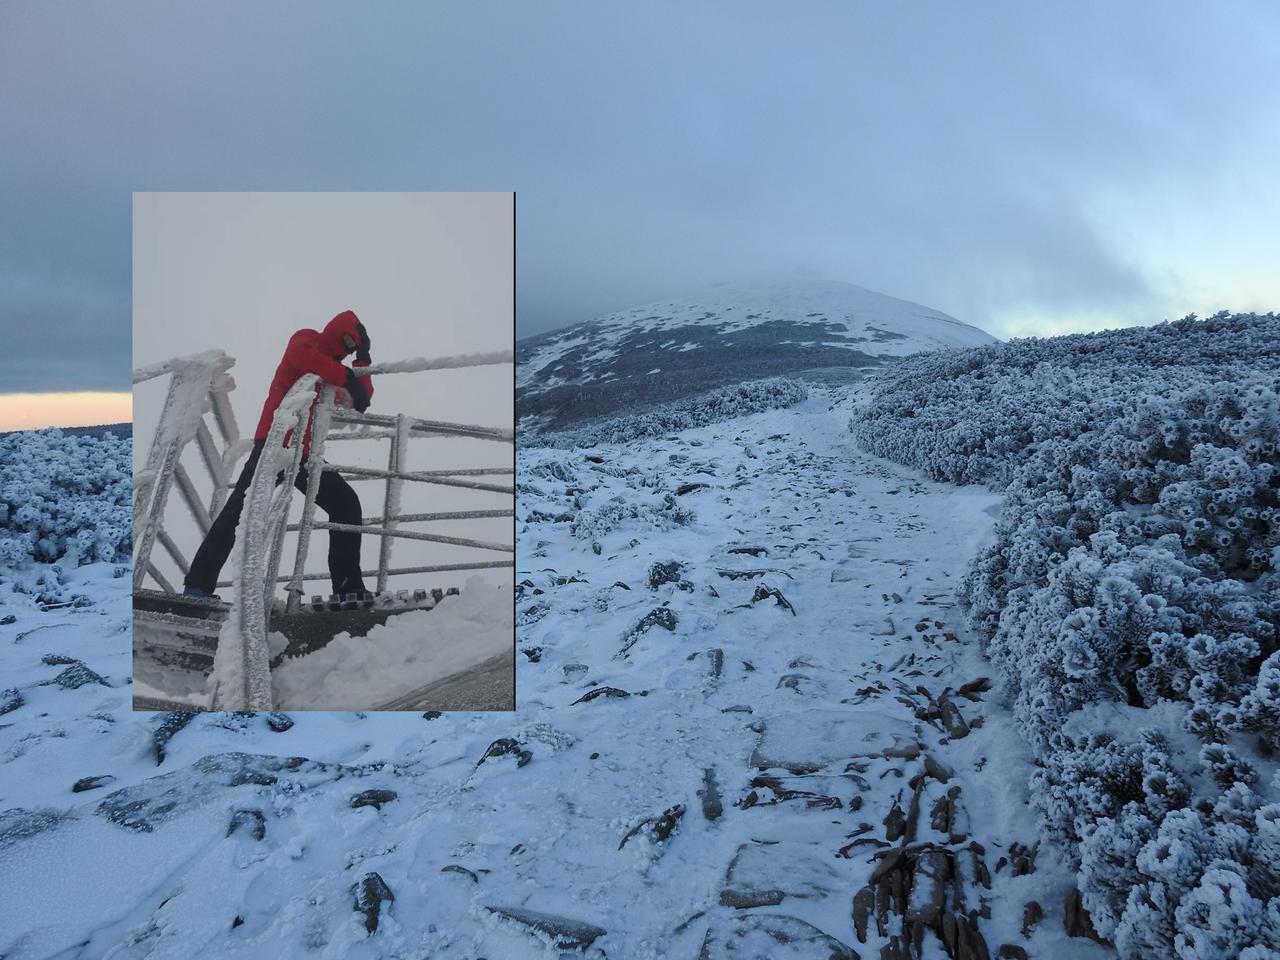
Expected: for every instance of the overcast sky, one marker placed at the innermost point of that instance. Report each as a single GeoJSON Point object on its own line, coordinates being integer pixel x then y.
{"type": "Point", "coordinates": [429, 275]}
{"type": "Point", "coordinates": [1029, 168]}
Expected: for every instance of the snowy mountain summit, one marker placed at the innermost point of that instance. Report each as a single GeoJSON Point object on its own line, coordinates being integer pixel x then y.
{"type": "Point", "coordinates": [670, 349]}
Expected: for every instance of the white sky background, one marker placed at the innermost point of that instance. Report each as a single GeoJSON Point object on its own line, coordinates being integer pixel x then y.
{"type": "Point", "coordinates": [429, 274]}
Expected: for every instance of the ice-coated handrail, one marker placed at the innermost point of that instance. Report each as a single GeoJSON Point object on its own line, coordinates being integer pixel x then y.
{"type": "Point", "coordinates": [199, 385]}
{"type": "Point", "coordinates": [241, 677]}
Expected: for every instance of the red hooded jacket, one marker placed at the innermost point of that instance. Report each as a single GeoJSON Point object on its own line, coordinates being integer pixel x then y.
{"type": "Point", "coordinates": [311, 352]}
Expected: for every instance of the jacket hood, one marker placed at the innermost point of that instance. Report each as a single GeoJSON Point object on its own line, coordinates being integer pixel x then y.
{"type": "Point", "coordinates": [331, 336]}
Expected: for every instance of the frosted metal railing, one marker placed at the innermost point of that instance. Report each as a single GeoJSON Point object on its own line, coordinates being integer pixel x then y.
{"type": "Point", "coordinates": [197, 384]}
{"type": "Point", "coordinates": [399, 429]}
{"type": "Point", "coordinates": [241, 678]}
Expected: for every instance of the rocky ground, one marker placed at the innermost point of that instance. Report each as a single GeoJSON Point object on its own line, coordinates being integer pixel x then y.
{"type": "Point", "coordinates": [749, 725]}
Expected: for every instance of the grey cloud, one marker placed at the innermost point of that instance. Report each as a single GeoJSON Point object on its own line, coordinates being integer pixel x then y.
{"type": "Point", "coordinates": [965, 157]}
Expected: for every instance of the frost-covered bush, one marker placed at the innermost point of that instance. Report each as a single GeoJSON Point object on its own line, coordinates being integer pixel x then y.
{"type": "Point", "coordinates": [64, 497]}
{"type": "Point", "coordinates": [1135, 568]}
{"type": "Point", "coordinates": [723, 403]}
{"type": "Point", "coordinates": [974, 415]}
{"type": "Point", "coordinates": [593, 523]}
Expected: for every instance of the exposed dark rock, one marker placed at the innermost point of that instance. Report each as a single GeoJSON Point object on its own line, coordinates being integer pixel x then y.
{"type": "Point", "coordinates": [716, 657]}
{"type": "Point", "coordinates": [7, 619]}
{"type": "Point", "coordinates": [952, 718]}
{"type": "Point", "coordinates": [864, 902]}
{"type": "Point", "coordinates": [658, 828]}
{"type": "Point", "coordinates": [91, 783]}
{"type": "Point", "coordinates": [432, 715]}
{"type": "Point", "coordinates": [936, 769]}
{"type": "Point", "coordinates": [1011, 951]}
{"type": "Point", "coordinates": [663, 617]}
{"type": "Point", "coordinates": [169, 725]}
{"type": "Point", "coordinates": [506, 746]}
{"type": "Point", "coordinates": [534, 654]}
{"type": "Point", "coordinates": [1022, 858]}
{"type": "Point", "coordinates": [619, 583]}
{"type": "Point", "coordinates": [971, 689]}
{"type": "Point", "coordinates": [372, 798]}
{"type": "Point", "coordinates": [895, 822]}
{"type": "Point", "coordinates": [77, 675]}
{"type": "Point", "coordinates": [764, 593]}
{"type": "Point", "coordinates": [969, 940]}
{"type": "Point", "coordinates": [660, 573]}
{"type": "Point", "coordinates": [928, 887]}
{"type": "Point", "coordinates": [143, 813]}
{"type": "Point", "coordinates": [900, 751]}
{"type": "Point", "coordinates": [279, 722]}
{"type": "Point", "coordinates": [371, 892]}
{"type": "Point", "coordinates": [752, 551]}
{"type": "Point", "coordinates": [690, 488]}
{"type": "Point", "coordinates": [1076, 918]}
{"type": "Point", "coordinates": [57, 659]}
{"type": "Point", "coordinates": [712, 807]}
{"type": "Point", "coordinates": [782, 794]}
{"type": "Point", "coordinates": [745, 899]}
{"type": "Point", "coordinates": [598, 692]}
{"type": "Point", "coordinates": [741, 574]}
{"type": "Point", "coordinates": [565, 934]}
{"type": "Point", "coordinates": [252, 820]}
{"type": "Point", "coordinates": [1032, 914]}
{"type": "Point", "coordinates": [10, 700]}
{"type": "Point", "coordinates": [888, 863]}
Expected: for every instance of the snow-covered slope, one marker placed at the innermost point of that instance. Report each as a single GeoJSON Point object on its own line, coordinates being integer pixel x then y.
{"type": "Point", "coordinates": [728, 333]}
{"type": "Point", "coordinates": [742, 695]}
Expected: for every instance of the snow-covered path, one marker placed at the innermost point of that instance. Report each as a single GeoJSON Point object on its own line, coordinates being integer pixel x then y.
{"type": "Point", "coordinates": [691, 772]}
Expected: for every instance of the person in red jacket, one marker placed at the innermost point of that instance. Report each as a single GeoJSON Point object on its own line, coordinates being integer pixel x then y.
{"type": "Point", "coordinates": [320, 353]}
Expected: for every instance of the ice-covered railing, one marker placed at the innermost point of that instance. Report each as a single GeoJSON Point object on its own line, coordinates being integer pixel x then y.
{"type": "Point", "coordinates": [198, 384]}
{"type": "Point", "coordinates": [241, 678]}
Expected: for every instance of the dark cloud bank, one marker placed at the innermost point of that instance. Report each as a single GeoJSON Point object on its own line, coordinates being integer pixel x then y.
{"type": "Point", "coordinates": [974, 159]}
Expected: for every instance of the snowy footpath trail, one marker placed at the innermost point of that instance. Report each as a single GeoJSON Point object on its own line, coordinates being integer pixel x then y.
{"type": "Point", "coordinates": [750, 725]}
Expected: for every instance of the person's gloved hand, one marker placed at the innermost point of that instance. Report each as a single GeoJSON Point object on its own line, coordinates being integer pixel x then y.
{"type": "Point", "coordinates": [362, 351]}
{"type": "Point", "coordinates": [359, 396]}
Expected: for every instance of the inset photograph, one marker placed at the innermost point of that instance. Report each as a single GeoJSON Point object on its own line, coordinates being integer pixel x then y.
{"type": "Point", "coordinates": [324, 457]}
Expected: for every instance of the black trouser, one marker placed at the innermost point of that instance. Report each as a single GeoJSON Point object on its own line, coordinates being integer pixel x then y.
{"type": "Point", "coordinates": [335, 497]}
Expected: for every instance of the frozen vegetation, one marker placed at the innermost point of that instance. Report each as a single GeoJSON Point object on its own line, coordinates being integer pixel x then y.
{"type": "Point", "coordinates": [723, 403]}
{"type": "Point", "coordinates": [63, 497]}
{"type": "Point", "coordinates": [1131, 600]}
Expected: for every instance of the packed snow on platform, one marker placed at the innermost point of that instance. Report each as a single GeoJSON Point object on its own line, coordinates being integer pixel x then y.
{"type": "Point", "coordinates": [406, 653]}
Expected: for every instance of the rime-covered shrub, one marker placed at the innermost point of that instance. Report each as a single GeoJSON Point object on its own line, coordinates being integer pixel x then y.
{"type": "Point", "coordinates": [963, 415]}
{"type": "Point", "coordinates": [1135, 567]}
{"type": "Point", "coordinates": [723, 403]}
{"type": "Point", "coordinates": [593, 523]}
{"type": "Point", "coordinates": [64, 497]}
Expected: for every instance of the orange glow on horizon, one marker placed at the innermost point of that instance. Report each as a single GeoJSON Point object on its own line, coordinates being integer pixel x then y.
{"type": "Point", "coordinates": [34, 411]}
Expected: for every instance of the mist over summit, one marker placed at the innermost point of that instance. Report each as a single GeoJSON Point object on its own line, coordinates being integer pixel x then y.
{"type": "Point", "coordinates": [729, 333]}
